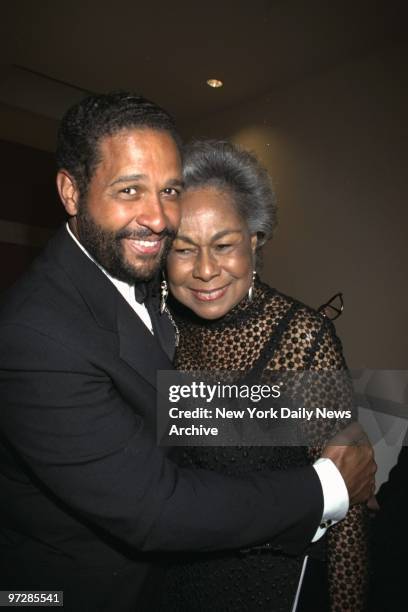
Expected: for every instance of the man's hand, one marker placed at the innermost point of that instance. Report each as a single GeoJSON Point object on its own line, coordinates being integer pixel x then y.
{"type": "Point", "coordinates": [351, 452]}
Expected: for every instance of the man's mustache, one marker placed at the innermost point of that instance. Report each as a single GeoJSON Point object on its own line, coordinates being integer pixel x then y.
{"type": "Point", "coordinates": [142, 234]}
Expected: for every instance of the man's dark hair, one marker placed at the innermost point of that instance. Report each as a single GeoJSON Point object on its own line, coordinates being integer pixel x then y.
{"type": "Point", "coordinates": [100, 115]}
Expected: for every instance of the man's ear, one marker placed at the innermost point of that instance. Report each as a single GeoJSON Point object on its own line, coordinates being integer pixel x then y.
{"type": "Point", "coordinates": [68, 192]}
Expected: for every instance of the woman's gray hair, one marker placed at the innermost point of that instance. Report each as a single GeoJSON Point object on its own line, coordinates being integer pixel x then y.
{"type": "Point", "coordinates": [227, 167]}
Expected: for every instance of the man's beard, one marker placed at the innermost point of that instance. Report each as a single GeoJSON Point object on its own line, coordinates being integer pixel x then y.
{"type": "Point", "coordinates": [106, 248]}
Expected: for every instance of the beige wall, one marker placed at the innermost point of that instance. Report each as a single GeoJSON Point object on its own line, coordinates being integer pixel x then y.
{"type": "Point", "coordinates": [335, 145]}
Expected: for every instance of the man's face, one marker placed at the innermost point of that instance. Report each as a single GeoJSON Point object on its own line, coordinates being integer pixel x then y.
{"type": "Point", "coordinates": [131, 210]}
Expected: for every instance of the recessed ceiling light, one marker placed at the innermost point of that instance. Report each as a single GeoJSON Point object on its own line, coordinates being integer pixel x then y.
{"type": "Point", "coordinates": [214, 83]}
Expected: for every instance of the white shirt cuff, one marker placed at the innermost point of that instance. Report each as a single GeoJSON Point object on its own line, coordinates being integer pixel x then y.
{"type": "Point", "coordinates": [335, 495]}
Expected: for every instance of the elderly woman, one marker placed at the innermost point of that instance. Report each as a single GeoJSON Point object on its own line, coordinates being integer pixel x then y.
{"type": "Point", "coordinates": [229, 320]}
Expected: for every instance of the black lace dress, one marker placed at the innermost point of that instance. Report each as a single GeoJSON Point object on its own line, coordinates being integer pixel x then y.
{"type": "Point", "coordinates": [272, 332]}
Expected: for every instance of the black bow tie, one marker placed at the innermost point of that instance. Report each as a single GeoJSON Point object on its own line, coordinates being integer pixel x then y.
{"type": "Point", "coordinates": [140, 292]}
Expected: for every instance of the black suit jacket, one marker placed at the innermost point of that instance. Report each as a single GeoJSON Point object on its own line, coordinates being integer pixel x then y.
{"type": "Point", "coordinates": [389, 540]}
{"type": "Point", "coordinates": [87, 497]}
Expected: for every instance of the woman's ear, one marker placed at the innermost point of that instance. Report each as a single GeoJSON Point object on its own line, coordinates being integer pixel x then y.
{"type": "Point", "coordinates": [254, 242]}
{"type": "Point", "coordinates": [68, 192]}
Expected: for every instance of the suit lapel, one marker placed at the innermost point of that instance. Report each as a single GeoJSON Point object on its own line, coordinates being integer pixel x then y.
{"type": "Point", "coordinates": [163, 328]}
{"type": "Point", "coordinates": [137, 346]}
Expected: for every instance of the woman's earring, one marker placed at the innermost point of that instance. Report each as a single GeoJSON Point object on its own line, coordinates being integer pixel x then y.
{"type": "Point", "coordinates": [251, 289]}
{"type": "Point", "coordinates": [164, 292]}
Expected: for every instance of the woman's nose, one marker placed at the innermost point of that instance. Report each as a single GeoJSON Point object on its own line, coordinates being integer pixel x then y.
{"type": "Point", "coordinates": [206, 267]}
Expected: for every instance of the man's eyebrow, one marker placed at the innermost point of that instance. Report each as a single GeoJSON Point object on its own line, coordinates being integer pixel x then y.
{"type": "Point", "coordinates": [173, 182]}
{"type": "Point", "coordinates": [127, 177]}
{"type": "Point", "coordinates": [216, 236]}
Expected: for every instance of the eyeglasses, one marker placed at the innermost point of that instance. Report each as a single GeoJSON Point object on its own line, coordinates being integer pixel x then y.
{"type": "Point", "coordinates": [333, 308]}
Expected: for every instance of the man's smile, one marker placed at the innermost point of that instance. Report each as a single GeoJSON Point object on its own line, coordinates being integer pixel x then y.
{"type": "Point", "coordinates": [144, 246]}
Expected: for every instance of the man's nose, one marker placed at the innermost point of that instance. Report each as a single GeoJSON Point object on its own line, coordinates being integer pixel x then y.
{"type": "Point", "coordinates": [206, 266]}
{"type": "Point", "coordinates": [152, 215]}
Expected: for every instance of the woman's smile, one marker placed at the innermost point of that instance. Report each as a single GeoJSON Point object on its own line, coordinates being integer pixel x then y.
{"type": "Point", "coordinates": [209, 295]}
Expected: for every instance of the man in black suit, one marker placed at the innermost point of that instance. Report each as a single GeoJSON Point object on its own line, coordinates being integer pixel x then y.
{"type": "Point", "coordinates": [87, 497]}
{"type": "Point", "coordinates": [389, 540]}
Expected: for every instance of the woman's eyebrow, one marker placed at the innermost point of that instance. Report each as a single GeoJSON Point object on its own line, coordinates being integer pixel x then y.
{"type": "Point", "coordinates": [223, 233]}
{"type": "Point", "coordinates": [185, 239]}
{"type": "Point", "coordinates": [216, 236]}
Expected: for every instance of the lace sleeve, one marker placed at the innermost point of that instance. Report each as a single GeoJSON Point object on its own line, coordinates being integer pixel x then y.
{"type": "Point", "coordinates": [347, 541]}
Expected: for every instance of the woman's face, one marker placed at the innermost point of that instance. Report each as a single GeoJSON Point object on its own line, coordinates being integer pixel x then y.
{"type": "Point", "coordinates": [210, 265]}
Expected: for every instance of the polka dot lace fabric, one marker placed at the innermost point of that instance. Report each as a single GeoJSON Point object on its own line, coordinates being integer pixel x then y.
{"type": "Point", "coordinates": [268, 334]}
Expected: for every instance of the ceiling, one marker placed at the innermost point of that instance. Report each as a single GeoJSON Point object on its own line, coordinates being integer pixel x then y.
{"type": "Point", "coordinates": [53, 51]}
